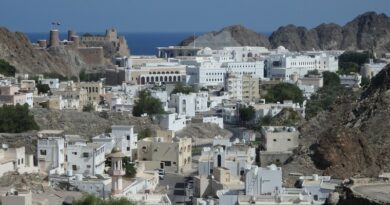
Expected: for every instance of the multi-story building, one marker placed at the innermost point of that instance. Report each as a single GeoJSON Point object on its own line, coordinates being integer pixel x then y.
{"type": "Point", "coordinates": [283, 66]}
{"type": "Point", "coordinates": [279, 138]}
{"type": "Point", "coordinates": [51, 155]}
{"type": "Point", "coordinates": [165, 152]}
{"type": "Point", "coordinates": [166, 72]}
{"type": "Point", "coordinates": [72, 96]}
{"type": "Point", "coordinates": [16, 159]}
{"type": "Point", "coordinates": [95, 91]}
{"type": "Point", "coordinates": [233, 86]}
{"type": "Point", "coordinates": [121, 136]}
{"type": "Point", "coordinates": [183, 103]}
{"type": "Point", "coordinates": [85, 158]}
{"type": "Point", "coordinates": [259, 180]}
{"type": "Point", "coordinates": [250, 88]}
{"type": "Point", "coordinates": [172, 122]}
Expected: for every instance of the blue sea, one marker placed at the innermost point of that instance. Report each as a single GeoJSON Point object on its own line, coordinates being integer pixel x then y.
{"type": "Point", "coordinates": [139, 43]}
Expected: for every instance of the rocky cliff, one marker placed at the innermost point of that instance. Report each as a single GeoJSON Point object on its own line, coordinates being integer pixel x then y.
{"type": "Point", "coordinates": [369, 31]}
{"type": "Point", "coordinates": [352, 138]}
{"type": "Point", "coordinates": [16, 49]}
{"type": "Point", "coordinates": [230, 36]}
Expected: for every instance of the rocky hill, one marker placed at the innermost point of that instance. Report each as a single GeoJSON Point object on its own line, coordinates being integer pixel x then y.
{"type": "Point", "coordinates": [369, 31]}
{"type": "Point", "coordinates": [16, 49]}
{"type": "Point", "coordinates": [230, 36]}
{"type": "Point", "coordinates": [352, 138]}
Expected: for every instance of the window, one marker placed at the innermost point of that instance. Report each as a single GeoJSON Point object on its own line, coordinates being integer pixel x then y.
{"type": "Point", "coordinates": [289, 139]}
{"type": "Point", "coordinates": [42, 151]}
{"type": "Point", "coordinates": [18, 161]}
{"type": "Point", "coordinates": [88, 166]}
{"type": "Point", "coordinates": [274, 140]}
{"type": "Point", "coordinates": [128, 137]}
{"type": "Point", "coordinates": [85, 154]}
{"type": "Point", "coordinates": [74, 153]}
{"type": "Point", "coordinates": [167, 163]}
{"type": "Point", "coordinates": [74, 167]}
{"type": "Point", "coordinates": [22, 160]}
{"type": "Point", "coordinates": [128, 148]}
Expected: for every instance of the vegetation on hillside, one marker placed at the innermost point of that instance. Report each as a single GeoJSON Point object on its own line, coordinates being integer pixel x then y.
{"type": "Point", "coordinates": [181, 88]}
{"type": "Point", "coordinates": [88, 108]}
{"type": "Point", "coordinates": [16, 119]}
{"type": "Point", "coordinates": [43, 88]}
{"type": "Point", "coordinates": [7, 69]}
{"type": "Point", "coordinates": [247, 113]}
{"type": "Point", "coordinates": [147, 104]}
{"type": "Point", "coordinates": [93, 200]}
{"type": "Point", "coordinates": [351, 61]}
{"type": "Point", "coordinates": [144, 133]}
{"type": "Point", "coordinates": [284, 91]}
{"type": "Point", "coordinates": [325, 96]}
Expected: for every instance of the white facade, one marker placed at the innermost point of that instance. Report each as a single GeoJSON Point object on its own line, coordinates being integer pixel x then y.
{"type": "Point", "coordinates": [233, 86]}
{"type": "Point", "coordinates": [215, 120]}
{"type": "Point", "coordinates": [51, 155]}
{"type": "Point", "coordinates": [201, 102]}
{"type": "Point", "coordinates": [352, 80]}
{"type": "Point", "coordinates": [260, 180]}
{"type": "Point", "coordinates": [53, 83]}
{"type": "Point", "coordinates": [121, 136]}
{"type": "Point", "coordinates": [85, 158]}
{"type": "Point", "coordinates": [318, 186]}
{"type": "Point", "coordinates": [162, 96]}
{"type": "Point", "coordinates": [172, 122]}
{"type": "Point", "coordinates": [280, 139]}
{"type": "Point", "coordinates": [284, 66]}
{"type": "Point", "coordinates": [184, 104]}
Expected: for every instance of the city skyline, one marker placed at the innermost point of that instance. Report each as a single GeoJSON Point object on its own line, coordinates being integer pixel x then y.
{"type": "Point", "coordinates": [179, 15]}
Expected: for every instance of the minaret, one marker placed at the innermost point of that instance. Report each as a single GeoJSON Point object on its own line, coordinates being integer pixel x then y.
{"type": "Point", "coordinates": [116, 171]}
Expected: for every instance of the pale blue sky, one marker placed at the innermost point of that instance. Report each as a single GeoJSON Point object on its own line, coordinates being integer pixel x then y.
{"type": "Point", "coordinates": [179, 15]}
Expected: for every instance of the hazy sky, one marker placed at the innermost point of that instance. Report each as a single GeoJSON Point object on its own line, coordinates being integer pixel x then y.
{"type": "Point", "coordinates": [179, 15]}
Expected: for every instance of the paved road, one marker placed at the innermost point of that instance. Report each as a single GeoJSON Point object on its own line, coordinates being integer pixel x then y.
{"type": "Point", "coordinates": [177, 188]}
{"type": "Point", "coordinates": [378, 192]}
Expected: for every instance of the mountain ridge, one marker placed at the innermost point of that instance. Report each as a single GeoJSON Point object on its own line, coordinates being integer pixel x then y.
{"type": "Point", "coordinates": [368, 31]}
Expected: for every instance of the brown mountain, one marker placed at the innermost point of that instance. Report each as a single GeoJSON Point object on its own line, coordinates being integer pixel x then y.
{"type": "Point", "coordinates": [236, 35]}
{"type": "Point", "coordinates": [16, 49]}
{"type": "Point", "coordinates": [369, 31]}
{"type": "Point", "coordinates": [352, 138]}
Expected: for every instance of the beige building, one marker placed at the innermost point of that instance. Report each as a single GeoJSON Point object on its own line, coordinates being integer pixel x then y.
{"type": "Point", "coordinates": [279, 138]}
{"type": "Point", "coordinates": [16, 198]}
{"type": "Point", "coordinates": [73, 97]}
{"type": "Point", "coordinates": [27, 85]}
{"type": "Point", "coordinates": [250, 88]}
{"type": "Point", "coordinates": [16, 159]}
{"type": "Point", "coordinates": [158, 73]}
{"type": "Point", "coordinates": [165, 152]}
{"type": "Point", "coordinates": [95, 91]}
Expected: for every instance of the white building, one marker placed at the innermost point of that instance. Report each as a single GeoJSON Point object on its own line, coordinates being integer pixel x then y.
{"type": "Point", "coordinates": [162, 96]}
{"type": "Point", "coordinates": [279, 138]}
{"type": "Point", "coordinates": [283, 66]}
{"type": "Point", "coordinates": [51, 155]}
{"type": "Point", "coordinates": [350, 81]}
{"type": "Point", "coordinates": [233, 86]}
{"type": "Point", "coordinates": [201, 102]}
{"type": "Point", "coordinates": [259, 180]}
{"type": "Point", "coordinates": [183, 103]}
{"type": "Point", "coordinates": [85, 158]}
{"type": "Point", "coordinates": [370, 69]}
{"type": "Point", "coordinates": [121, 136]}
{"type": "Point", "coordinates": [318, 186]}
{"type": "Point", "coordinates": [172, 122]}
{"type": "Point", "coordinates": [15, 159]}
{"type": "Point", "coordinates": [214, 119]}
{"type": "Point", "coordinates": [53, 83]}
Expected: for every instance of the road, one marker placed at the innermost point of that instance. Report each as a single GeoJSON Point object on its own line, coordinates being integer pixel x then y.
{"type": "Point", "coordinates": [377, 192]}
{"type": "Point", "coordinates": [177, 188]}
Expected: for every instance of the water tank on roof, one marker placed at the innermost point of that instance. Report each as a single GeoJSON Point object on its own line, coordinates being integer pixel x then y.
{"type": "Point", "coordinates": [69, 172]}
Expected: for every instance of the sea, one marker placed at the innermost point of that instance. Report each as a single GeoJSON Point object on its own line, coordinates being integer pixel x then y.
{"type": "Point", "coordinates": [139, 43]}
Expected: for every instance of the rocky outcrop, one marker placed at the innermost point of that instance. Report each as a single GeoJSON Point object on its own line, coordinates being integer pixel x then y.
{"type": "Point", "coordinates": [352, 138]}
{"type": "Point", "coordinates": [230, 36]}
{"type": "Point", "coordinates": [16, 49]}
{"type": "Point", "coordinates": [369, 31]}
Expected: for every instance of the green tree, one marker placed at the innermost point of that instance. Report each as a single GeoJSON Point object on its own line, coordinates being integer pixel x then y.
{"type": "Point", "coordinates": [88, 108]}
{"type": "Point", "coordinates": [16, 119]}
{"type": "Point", "coordinates": [93, 200]}
{"type": "Point", "coordinates": [129, 167]}
{"type": "Point", "coordinates": [6, 68]}
{"type": "Point", "coordinates": [247, 113]}
{"type": "Point", "coordinates": [144, 133]}
{"type": "Point", "coordinates": [351, 61]}
{"type": "Point", "coordinates": [147, 104]}
{"type": "Point", "coordinates": [43, 88]}
{"type": "Point", "coordinates": [330, 79]}
{"type": "Point", "coordinates": [284, 91]}
{"type": "Point", "coordinates": [181, 88]}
